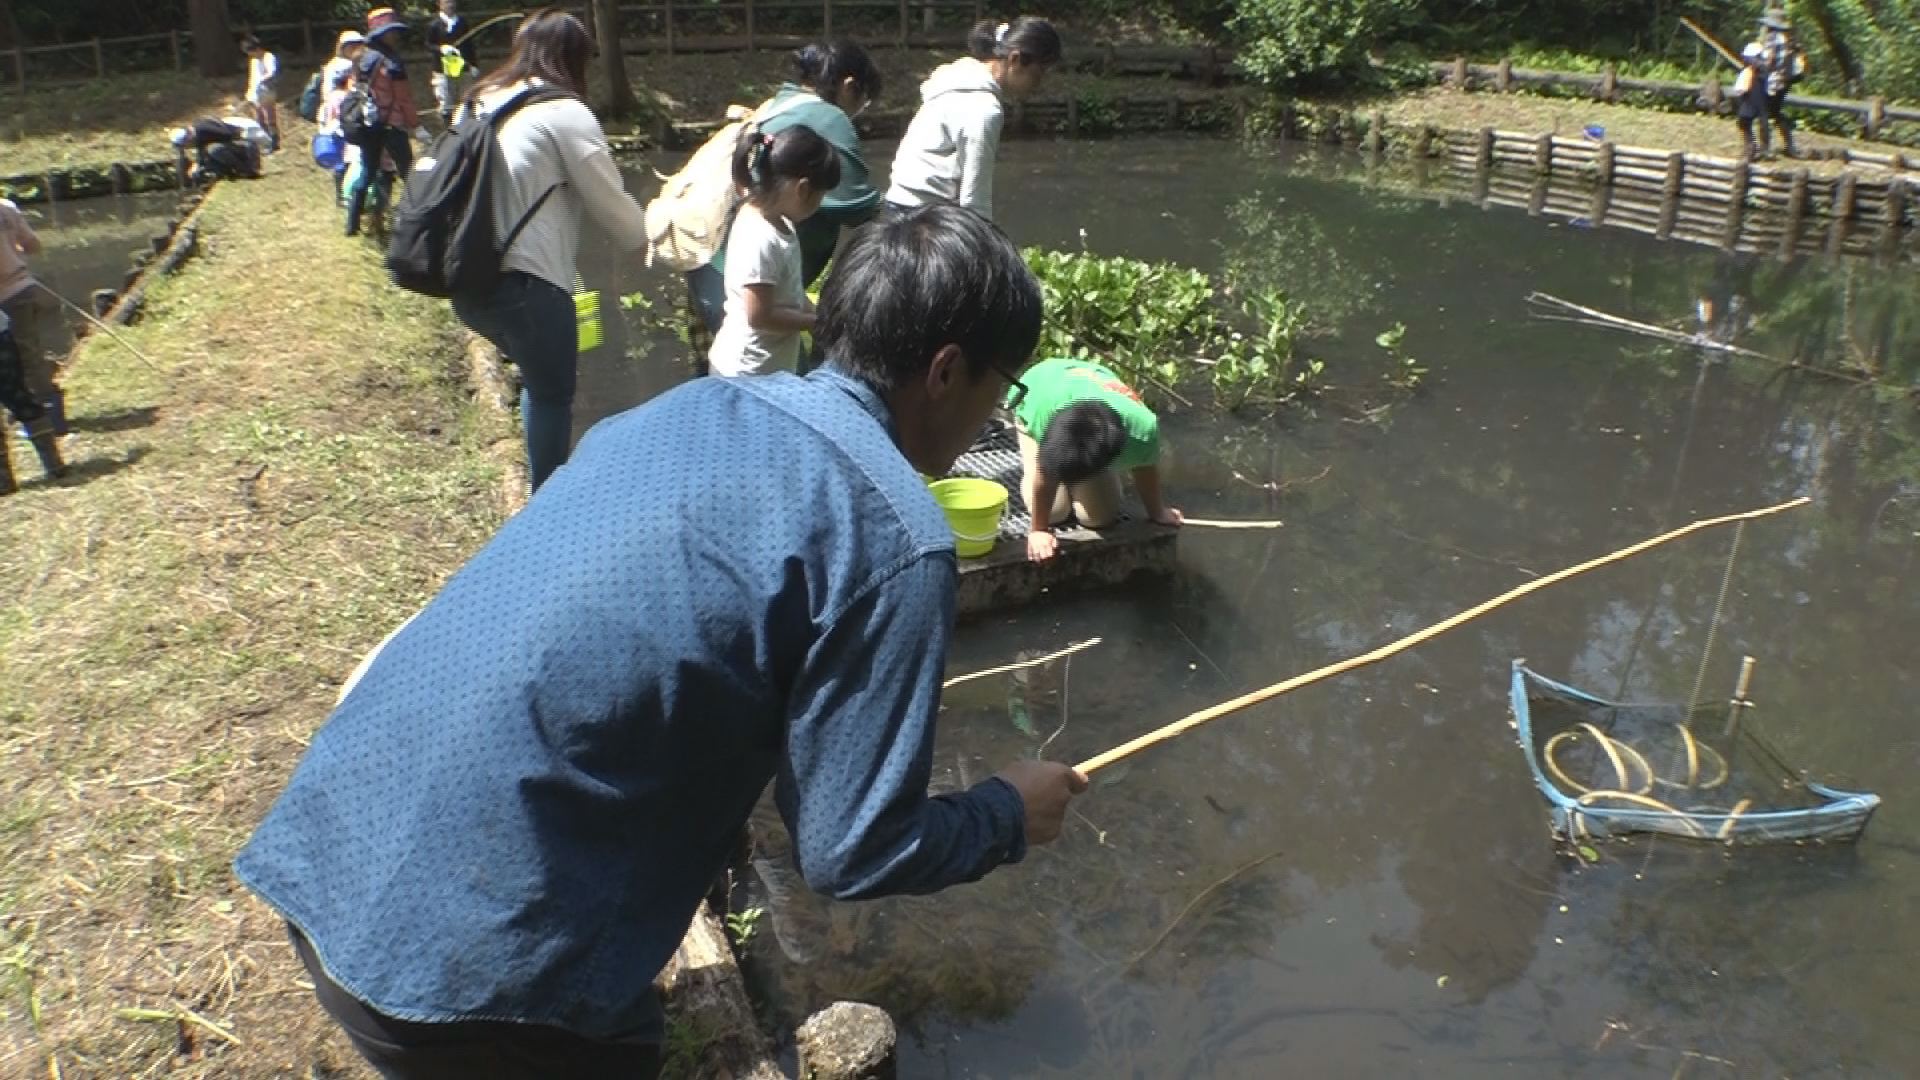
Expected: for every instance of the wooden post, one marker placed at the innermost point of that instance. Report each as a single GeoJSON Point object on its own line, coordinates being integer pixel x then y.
{"type": "Point", "coordinates": [1073, 117]}
{"type": "Point", "coordinates": [1602, 202]}
{"type": "Point", "coordinates": [1173, 112]}
{"type": "Point", "coordinates": [826, 18]}
{"type": "Point", "coordinates": [1896, 201]}
{"type": "Point", "coordinates": [1423, 142]}
{"type": "Point", "coordinates": [1609, 84]}
{"type": "Point", "coordinates": [1376, 133]}
{"type": "Point", "coordinates": [1837, 237]}
{"type": "Point", "coordinates": [1504, 80]}
{"type": "Point", "coordinates": [1736, 203]}
{"type": "Point", "coordinates": [1460, 73]}
{"type": "Point", "coordinates": [173, 43]}
{"type": "Point", "coordinates": [1875, 117]}
{"type": "Point", "coordinates": [99, 60]}
{"type": "Point", "coordinates": [1537, 197]}
{"type": "Point", "coordinates": [1845, 193]}
{"type": "Point", "coordinates": [752, 45]}
{"type": "Point", "coordinates": [1797, 195]}
{"type": "Point", "coordinates": [666, 17]}
{"type": "Point", "coordinates": [1603, 164]}
{"type": "Point", "coordinates": [1484, 156]}
{"type": "Point", "coordinates": [120, 178]}
{"type": "Point", "coordinates": [1711, 96]}
{"type": "Point", "coordinates": [1543, 154]}
{"type": "Point", "coordinates": [903, 23]}
{"type": "Point", "coordinates": [20, 69]}
{"type": "Point", "coordinates": [1676, 173]}
{"type": "Point", "coordinates": [53, 188]}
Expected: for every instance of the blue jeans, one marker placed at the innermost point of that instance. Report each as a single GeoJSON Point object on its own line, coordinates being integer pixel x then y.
{"type": "Point", "coordinates": [532, 323]}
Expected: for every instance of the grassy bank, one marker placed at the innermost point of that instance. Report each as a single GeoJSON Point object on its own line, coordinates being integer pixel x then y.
{"type": "Point", "coordinates": [303, 469]}
{"type": "Point", "coordinates": [123, 118]}
{"type": "Point", "coordinates": [1625, 124]}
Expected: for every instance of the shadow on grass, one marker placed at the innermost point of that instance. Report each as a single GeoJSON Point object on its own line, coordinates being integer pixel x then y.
{"type": "Point", "coordinates": [124, 420]}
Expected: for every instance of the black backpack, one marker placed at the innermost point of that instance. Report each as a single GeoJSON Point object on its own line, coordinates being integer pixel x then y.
{"type": "Point", "coordinates": [309, 107]}
{"type": "Point", "coordinates": [443, 226]}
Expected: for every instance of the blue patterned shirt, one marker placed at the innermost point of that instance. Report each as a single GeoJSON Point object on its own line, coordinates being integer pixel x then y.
{"type": "Point", "coordinates": [516, 811]}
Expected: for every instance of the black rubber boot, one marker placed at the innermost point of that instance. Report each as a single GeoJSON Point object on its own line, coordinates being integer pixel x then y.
{"type": "Point", "coordinates": [48, 447]}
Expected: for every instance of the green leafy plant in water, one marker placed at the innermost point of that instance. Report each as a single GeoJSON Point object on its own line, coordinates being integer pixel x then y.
{"type": "Point", "coordinates": [1099, 114]}
{"type": "Point", "coordinates": [1257, 363]}
{"type": "Point", "coordinates": [1407, 370]}
{"type": "Point", "coordinates": [743, 924]}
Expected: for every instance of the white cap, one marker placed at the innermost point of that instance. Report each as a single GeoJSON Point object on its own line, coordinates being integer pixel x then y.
{"type": "Point", "coordinates": [178, 136]}
{"type": "Point", "coordinates": [1753, 51]}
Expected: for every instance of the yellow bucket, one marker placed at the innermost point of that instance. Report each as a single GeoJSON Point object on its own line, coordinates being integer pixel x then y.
{"type": "Point", "coordinates": [973, 510]}
{"type": "Point", "coordinates": [586, 312]}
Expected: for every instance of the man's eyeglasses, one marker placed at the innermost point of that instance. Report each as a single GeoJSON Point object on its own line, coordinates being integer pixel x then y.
{"type": "Point", "coordinates": [1017, 390]}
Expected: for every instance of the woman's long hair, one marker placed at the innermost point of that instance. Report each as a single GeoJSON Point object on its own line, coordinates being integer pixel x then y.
{"type": "Point", "coordinates": [550, 45]}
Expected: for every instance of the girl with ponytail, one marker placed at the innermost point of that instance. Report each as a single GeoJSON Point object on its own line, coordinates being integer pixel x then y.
{"type": "Point", "coordinates": [784, 176]}
{"type": "Point", "coordinates": [948, 152]}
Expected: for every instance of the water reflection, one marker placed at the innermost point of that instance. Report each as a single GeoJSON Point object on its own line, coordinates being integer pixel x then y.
{"type": "Point", "coordinates": [1417, 919]}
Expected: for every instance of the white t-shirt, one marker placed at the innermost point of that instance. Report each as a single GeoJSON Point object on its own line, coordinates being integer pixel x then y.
{"type": "Point", "coordinates": [261, 71]}
{"type": "Point", "coordinates": [758, 253]}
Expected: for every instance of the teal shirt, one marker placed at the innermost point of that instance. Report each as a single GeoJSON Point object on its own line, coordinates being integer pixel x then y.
{"type": "Point", "coordinates": [850, 203]}
{"type": "Point", "coordinates": [1054, 384]}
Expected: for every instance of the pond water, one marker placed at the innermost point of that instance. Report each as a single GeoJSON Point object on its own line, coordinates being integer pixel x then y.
{"type": "Point", "coordinates": [1412, 915]}
{"type": "Point", "coordinates": [91, 243]}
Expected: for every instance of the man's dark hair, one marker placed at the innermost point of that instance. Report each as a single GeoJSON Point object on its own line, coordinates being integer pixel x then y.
{"type": "Point", "coordinates": [1083, 439]}
{"type": "Point", "coordinates": [909, 284]}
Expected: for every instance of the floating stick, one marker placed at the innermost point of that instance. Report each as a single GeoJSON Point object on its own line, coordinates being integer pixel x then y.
{"type": "Point", "coordinates": [1127, 749]}
{"type": "Point", "coordinates": [1211, 523]}
{"type": "Point", "coordinates": [1035, 662]}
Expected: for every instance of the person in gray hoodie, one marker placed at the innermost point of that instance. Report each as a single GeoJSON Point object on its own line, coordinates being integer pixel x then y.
{"type": "Point", "coordinates": [948, 152]}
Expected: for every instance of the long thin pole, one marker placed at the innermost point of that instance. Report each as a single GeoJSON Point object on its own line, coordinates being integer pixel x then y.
{"type": "Point", "coordinates": [108, 330]}
{"type": "Point", "coordinates": [1127, 749]}
{"type": "Point", "coordinates": [1712, 42]}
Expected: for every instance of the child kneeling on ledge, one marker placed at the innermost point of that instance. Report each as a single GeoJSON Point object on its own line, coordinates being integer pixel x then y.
{"type": "Point", "coordinates": [1080, 427]}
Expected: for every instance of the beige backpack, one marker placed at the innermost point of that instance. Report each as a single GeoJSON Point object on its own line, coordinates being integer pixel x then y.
{"type": "Point", "coordinates": [687, 221]}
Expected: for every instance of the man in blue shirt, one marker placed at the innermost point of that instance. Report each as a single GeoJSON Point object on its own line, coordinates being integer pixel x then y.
{"type": "Point", "coordinates": [501, 834]}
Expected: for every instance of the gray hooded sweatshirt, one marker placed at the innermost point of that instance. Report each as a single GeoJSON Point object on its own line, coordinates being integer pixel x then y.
{"type": "Point", "coordinates": [948, 151]}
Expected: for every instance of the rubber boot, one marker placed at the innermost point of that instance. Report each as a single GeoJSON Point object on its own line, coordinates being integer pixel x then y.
{"type": "Point", "coordinates": [56, 404]}
{"type": "Point", "coordinates": [48, 447]}
{"type": "Point", "coordinates": [7, 484]}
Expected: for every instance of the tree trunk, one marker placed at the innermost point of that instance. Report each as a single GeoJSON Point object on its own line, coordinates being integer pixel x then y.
{"type": "Point", "coordinates": [9, 26]}
{"type": "Point", "coordinates": [613, 63]}
{"type": "Point", "coordinates": [1836, 45]}
{"type": "Point", "coordinates": [214, 50]}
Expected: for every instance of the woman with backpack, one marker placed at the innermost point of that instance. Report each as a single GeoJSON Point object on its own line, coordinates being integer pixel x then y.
{"type": "Point", "coordinates": [834, 82]}
{"type": "Point", "coordinates": [948, 151]}
{"type": "Point", "coordinates": [554, 168]}
{"type": "Point", "coordinates": [381, 111]}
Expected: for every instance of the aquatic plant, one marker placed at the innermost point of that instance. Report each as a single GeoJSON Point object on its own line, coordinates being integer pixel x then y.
{"type": "Point", "coordinates": [1169, 330]}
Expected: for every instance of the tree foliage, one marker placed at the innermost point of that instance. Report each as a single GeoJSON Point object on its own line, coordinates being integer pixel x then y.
{"type": "Point", "coordinates": [1294, 41]}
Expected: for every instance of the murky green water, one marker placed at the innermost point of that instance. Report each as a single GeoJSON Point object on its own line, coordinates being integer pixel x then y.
{"type": "Point", "coordinates": [90, 244]}
{"type": "Point", "coordinates": [1414, 917]}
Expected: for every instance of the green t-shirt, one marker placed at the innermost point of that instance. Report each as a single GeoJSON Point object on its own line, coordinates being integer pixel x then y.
{"type": "Point", "coordinates": [1052, 385]}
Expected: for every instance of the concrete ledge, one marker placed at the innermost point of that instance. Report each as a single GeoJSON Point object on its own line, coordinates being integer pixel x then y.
{"type": "Point", "coordinates": [1005, 578]}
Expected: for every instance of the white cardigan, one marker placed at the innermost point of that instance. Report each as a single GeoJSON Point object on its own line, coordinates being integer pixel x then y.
{"type": "Point", "coordinates": [548, 143]}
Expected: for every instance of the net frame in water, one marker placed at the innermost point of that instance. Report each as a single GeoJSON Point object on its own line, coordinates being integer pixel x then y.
{"type": "Point", "coordinates": [1839, 816]}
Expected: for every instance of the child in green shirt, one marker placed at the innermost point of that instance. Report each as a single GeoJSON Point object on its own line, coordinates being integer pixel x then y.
{"type": "Point", "coordinates": [1080, 427]}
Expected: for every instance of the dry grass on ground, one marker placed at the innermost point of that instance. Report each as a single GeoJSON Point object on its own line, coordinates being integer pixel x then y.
{"type": "Point", "coordinates": [1624, 124]}
{"type": "Point", "coordinates": [301, 472]}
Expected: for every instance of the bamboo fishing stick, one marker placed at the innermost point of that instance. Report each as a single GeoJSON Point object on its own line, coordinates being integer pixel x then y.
{"type": "Point", "coordinates": [1712, 42]}
{"type": "Point", "coordinates": [1211, 523]}
{"type": "Point", "coordinates": [103, 327]}
{"type": "Point", "coordinates": [1101, 761]}
{"type": "Point", "coordinates": [1016, 666]}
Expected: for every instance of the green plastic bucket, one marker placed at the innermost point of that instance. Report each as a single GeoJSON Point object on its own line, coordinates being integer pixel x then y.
{"type": "Point", "coordinates": [973, 510]}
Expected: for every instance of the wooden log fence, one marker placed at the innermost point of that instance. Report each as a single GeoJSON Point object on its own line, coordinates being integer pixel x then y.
{"type": "Point", "coordinates": [661, 27]}
{"type": "Point", "coordinates": [1872, 114]}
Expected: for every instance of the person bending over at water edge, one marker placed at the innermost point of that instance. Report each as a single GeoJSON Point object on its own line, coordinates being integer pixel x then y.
{"type": "Point", "coordinates": [500, 835]}
{"type": "Point", "coordinates": [1079, 428]}
{"type": "Point", "coordinates": [554, 168]}
{"type": "Point", "coordinates": [948, 151]}
{"type": "Point", "coordinates": [784, 176]}
{"type": "Point", "coordinates": [835, 82]}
